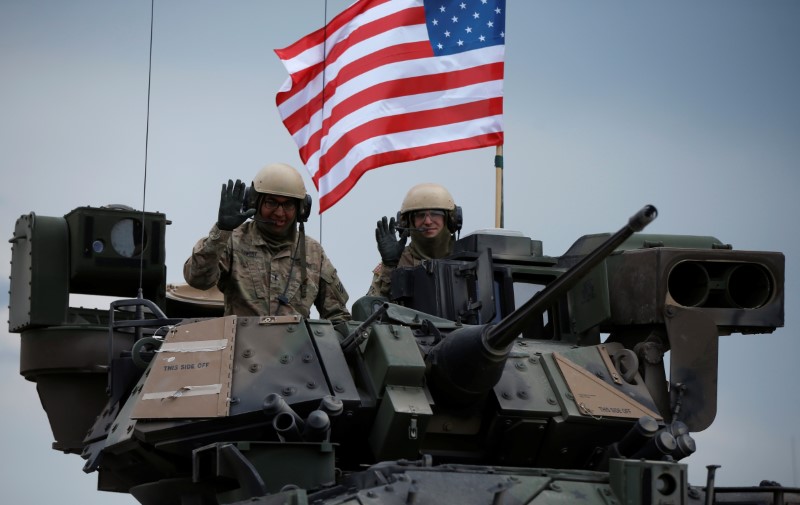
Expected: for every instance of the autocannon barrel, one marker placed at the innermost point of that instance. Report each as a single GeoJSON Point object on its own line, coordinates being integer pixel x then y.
{"type": "Point", "coordinates": [470, 361]}
{"type": "Point", "coordinates": [503, 333]}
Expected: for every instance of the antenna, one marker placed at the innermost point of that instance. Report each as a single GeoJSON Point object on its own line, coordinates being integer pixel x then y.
{"type": "Point", "coordinates": [146, 143]}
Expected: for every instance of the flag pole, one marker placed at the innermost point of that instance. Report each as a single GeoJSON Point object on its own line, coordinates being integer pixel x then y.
{"type": "Point", "coordinates": [498, 197]}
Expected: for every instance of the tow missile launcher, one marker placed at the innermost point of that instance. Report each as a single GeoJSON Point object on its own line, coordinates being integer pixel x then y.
{"type": "Point", "coordinates": [497, 375]}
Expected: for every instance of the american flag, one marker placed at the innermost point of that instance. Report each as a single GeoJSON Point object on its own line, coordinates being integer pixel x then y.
{"type": "Point", "coordinates": [400, 80]}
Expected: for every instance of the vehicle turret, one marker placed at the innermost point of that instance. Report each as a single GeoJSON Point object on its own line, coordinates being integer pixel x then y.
{"type": "Point", "coordinates": [470, 362]}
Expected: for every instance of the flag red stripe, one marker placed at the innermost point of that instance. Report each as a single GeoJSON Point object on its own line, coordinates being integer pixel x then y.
{"type": "Point", "coordinates": [407, 17]}
{"type": "Point", "coordinates": [300, 80]}
{"type": "Point", "coordinates": [316, 38]}
{"type": "Point", "coordinates": [414, 153]}
{"type": "Point", "coordinates": [405, 122]}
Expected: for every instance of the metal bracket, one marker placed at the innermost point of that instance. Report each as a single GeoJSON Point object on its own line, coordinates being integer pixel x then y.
{"type": "Point", "coordinates": [291, 319]}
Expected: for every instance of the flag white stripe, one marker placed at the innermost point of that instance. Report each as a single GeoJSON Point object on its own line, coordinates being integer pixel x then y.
{"type": "Point", "coordinates": [406, 140]}
{"type": "Point", "coordinates": [313, 55]}
{"type": "Point", "coordinates": [402, 105]}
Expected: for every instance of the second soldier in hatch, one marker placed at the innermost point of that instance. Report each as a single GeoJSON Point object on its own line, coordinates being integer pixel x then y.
{"type": "Point", "coordinates": [429, 214]}
{"type": "Point", "coordinates": [267, 266]}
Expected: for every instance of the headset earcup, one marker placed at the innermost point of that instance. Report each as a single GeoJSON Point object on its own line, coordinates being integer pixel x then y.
{"type": "Point", "coordinates": [456, 220]}
{"type": "Point", "coordinates": [305, 209]}
{"type": "Point", "coordinates": [250, 198]}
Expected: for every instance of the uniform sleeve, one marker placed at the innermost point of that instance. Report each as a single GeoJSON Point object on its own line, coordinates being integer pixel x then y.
{"type": "Point", "coordinates": [209, 260]}
{"type": "Point", "coordinates": [331, 302]}
{"type": "Point", "coordinates": [381, 281]}
{"type": "Point", "coordinates": [382, 274]}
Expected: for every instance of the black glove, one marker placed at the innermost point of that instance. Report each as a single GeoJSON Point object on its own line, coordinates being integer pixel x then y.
{"type": "Point", "coordinates": [389, 247]}
{"type": "Point", "coordinates": [230, 206]}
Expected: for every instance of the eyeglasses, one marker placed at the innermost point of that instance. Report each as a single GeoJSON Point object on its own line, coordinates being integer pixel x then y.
{"type": "Point", "coordinates": [421, 215]}
{"type": "Point", "coordinates": [288, 206]}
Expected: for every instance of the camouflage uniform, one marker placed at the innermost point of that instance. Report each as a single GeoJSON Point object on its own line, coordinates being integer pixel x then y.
{"type": "Point", "coordinates": [382, 274]}
{"type": "Point", "coordinates": [252, 278]}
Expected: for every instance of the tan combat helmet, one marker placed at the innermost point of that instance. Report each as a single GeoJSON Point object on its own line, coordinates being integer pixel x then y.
{"type": "Point", "coordinates": [431, 196]}
{"type": "Point", "coordinates": [282, 180]}
{"type": "Point", "coordinates": [427, 196]}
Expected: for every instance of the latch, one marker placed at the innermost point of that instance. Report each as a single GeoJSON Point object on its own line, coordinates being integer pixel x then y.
{"type": "Point", "coordinates": [412, 429]}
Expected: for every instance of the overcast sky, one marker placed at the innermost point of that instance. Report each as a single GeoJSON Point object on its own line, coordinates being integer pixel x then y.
{"type": "Point", "coordinates": [691, 106]}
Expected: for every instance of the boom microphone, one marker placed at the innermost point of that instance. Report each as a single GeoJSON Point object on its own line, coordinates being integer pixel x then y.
{"type": "Point", "coordinates": [410, 229]}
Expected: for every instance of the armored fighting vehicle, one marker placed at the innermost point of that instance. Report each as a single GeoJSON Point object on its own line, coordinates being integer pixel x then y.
{"type": "Point", "coordinates": [496, 376]}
